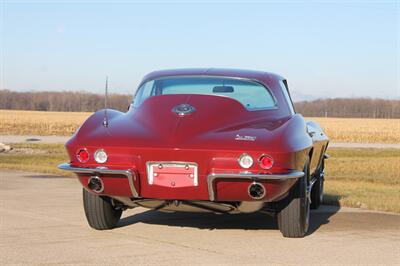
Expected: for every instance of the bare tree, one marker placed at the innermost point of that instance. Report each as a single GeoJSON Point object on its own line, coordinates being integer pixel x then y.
{"type": "Point", "coordinates": [354, 107]}
{"type": "Point", "coordinates": [61, 101]}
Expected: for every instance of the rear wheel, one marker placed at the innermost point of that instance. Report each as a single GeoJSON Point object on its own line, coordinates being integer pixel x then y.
{"type": "Point", "coordinates": [317, 191]}
{"type": "Point", "coordinates": [293, 219]}
{"type": "Point", "coordinates": [100, 212]}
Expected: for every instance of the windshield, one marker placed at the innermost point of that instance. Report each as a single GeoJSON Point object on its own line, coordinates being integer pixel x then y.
{"type": "Point", "coordinates": [250, 94]}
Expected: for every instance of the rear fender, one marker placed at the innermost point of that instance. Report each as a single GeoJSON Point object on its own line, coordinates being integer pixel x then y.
{"type": "Point", "coordinates": [320, 142]}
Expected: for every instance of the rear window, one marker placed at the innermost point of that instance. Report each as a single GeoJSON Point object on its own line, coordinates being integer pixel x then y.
{"type": "Point", "coordinates": [252, 95]}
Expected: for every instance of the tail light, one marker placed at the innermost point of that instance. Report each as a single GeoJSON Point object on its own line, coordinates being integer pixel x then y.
{"type": "Point", "coordinates": [82, 155]}
{"type": "Point", "coordinates": [100, 156]}
{"type": "Point", "coordinates": [266, 161]}
{"type": "Point", "coordinates": [245, 161]}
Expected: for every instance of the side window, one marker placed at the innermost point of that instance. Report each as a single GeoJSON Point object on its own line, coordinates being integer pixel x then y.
{"type": "Point", "coordinates": [285, 91]}
{"type": "Point", "coordinates": [143, 93]}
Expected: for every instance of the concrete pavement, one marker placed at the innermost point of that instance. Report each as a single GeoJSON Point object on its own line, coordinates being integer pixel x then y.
{"type": "Point", "coordinates": [42, 222]}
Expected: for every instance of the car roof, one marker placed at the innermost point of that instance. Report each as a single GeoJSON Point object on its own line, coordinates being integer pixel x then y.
{"type": "Point", "coordinates": [237, 73]}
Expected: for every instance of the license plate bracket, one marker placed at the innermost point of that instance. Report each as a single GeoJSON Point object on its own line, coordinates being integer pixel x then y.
{"type": "Point", "coordinates": [172, 174]}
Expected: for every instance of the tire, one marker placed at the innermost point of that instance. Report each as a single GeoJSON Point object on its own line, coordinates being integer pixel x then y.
{"type": "Point", "coordinates": [317, 191]}
{"type": "Point", "coordinates": [99, 211]}
{"type": "Point", "coordinates": [294, 218]}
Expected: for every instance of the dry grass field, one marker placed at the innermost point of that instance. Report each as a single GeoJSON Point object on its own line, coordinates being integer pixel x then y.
{"type": "Point", "coordinates": [366, 178]}
{"type": "Point", "coordinates": [356, 130]}
{"type": "Point", "coordinates": [15, 122]}
{"type": "Point", "coordinates": [360, 130]}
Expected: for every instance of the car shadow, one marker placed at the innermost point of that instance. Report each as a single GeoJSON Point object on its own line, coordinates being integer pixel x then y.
{"type": "Point", "coordinates": [250, 221]}
{"type": "Point", "coordinates": [321, 217]}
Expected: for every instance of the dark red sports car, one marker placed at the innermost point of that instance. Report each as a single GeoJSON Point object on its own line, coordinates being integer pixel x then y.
{"type": "Point", "coordinates": [214, 140]}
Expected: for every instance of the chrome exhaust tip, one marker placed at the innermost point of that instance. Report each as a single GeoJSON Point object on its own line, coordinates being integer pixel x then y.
{"type": "Point", "coordinates": [96, 184]}
{"type": "Point", "coordinates": [256, 191]}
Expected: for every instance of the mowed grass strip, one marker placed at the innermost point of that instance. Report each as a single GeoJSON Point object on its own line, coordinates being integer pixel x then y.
{"type": "Point", "coordinates": [41, 158]}
{"type": "Point", "coordinates": [354, 130]}
{"type": "Point", "coordinates": [380, 166]}
{"type": "Point", "coordinates": [367, 178]}
{"type": "Point", "coordinates": [366, 195]}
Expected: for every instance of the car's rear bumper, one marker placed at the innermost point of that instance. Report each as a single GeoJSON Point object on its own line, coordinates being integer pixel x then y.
{"type": "Point", "coordinates": [220, 186]}
{"type": "Point", "coordinates": [248, 176]}
{"type": "Point", "coordinates": [104, 171]}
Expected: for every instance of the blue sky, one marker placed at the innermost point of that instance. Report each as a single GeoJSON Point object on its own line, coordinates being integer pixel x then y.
{"type": "Point", "coordinates": [324, 49]}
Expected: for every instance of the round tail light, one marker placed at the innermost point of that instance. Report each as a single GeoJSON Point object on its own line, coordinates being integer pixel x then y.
{"type": "Point", "coordinates": [82, 155]}
{"type": "Point", "coordinates": [100, 156]}
{"type": "Point", "coordinates": [266, 162]}
{"type": "Point", "coordinates": [245, 161]}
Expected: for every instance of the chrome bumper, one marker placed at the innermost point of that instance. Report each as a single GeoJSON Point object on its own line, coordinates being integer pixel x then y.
{"type": "Point", "coordinates": [95, 171]}
{"type": "Point", "coordinates": [255, 177]}
{"type": "Point", "coordinates": [210, 178]}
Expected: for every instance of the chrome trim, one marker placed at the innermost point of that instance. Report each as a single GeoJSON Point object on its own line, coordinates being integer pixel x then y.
{"type": "Point", "coordinates": [256, 177]}
{"type": "Point", "coordinates": [101, 183]}
{"type": "Point", "coordinates": [257, 184]}
{"type": "Point", "coordinates": [150, 176]}
{"type": "Point", "coordinates": [183, 109]}
{"type": "Point", "coordinates": [243, 155]}
{"type": "Point", "coordinates": [96, 152]}
{"type": "Point", "coordinates": [76, 155]}
{"type": "Point", "coordinates": [128, 173]}
{"type": "Point", "coordinates": [205, 75]}
{"type": "Point", "coordinates": [265, 155]}
{"type": "Point", "coordinates": [245, 138]}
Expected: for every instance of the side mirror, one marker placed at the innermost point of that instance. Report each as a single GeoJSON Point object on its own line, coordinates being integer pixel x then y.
{"type": "Point", "coordinates": [311, 130]}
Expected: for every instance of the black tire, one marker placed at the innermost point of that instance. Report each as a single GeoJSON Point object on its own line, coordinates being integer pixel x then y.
{"type": "Point", "coordinates": [99, 211]}
{"type": "Point", "coordinates": [294, 218]}
{"type": "Point", "coordinates": [317, 191]}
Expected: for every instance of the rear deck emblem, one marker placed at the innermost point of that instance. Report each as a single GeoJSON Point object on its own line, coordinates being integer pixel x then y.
{"type": "Point", "coordinates": [183, 109]}
{"type": "Point", "coordinates": [245, 138]}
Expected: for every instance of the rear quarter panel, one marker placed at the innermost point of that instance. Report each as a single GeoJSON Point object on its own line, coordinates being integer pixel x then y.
{"type": "Point", "coordinates": [320, 143]}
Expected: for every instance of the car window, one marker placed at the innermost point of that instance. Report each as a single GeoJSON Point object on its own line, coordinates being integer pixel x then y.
{"type": "Point", "coordinates": [285, 91]}
{"type": "Point", "coordinates": [250, 94]}
{"type": "Point", "coordinates": [143, 93]}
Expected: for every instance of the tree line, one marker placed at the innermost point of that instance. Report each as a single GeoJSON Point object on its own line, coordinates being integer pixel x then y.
{"type": "Point", "coordinates": [68, 101]}
{"type": "Point", "coordinates": [65, 101]}
{"type": "Point", "coordinates": [350, 107]}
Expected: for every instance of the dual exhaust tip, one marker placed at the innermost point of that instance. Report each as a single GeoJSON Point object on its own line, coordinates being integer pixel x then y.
{"type": "Point", "coordinates": [256, 191]}
{"type": "Point", "coordinates": [96, 184]}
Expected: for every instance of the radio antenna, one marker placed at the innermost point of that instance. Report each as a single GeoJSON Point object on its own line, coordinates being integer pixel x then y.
{"type": "Point", "coordinates": [105, 120]}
